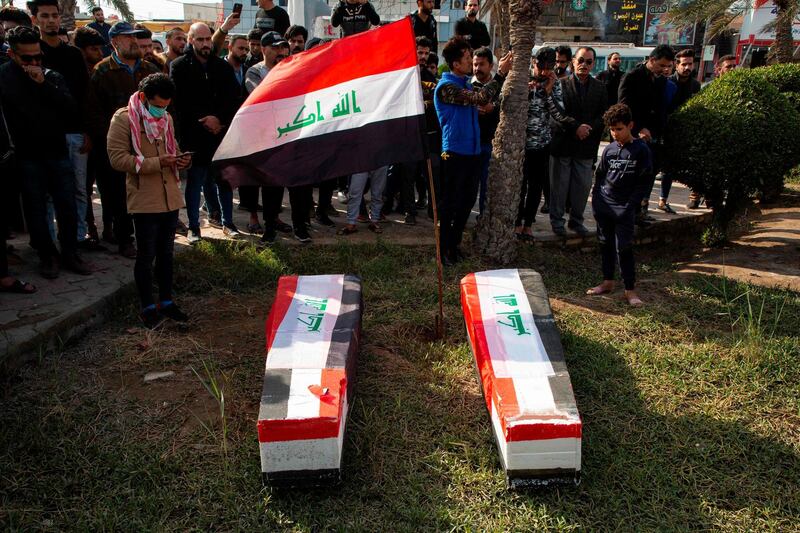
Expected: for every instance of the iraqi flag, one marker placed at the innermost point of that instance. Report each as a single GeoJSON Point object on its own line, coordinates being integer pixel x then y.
{"type": "Point", "coordinates": [352, 105]}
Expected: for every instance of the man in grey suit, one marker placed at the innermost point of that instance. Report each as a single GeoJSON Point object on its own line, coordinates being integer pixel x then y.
{"type": "Point", "coordinates": [575, 143]}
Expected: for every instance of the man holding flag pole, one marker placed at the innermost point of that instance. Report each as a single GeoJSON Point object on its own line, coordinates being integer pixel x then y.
{"type": "Point", "coordinates": [326, 113]}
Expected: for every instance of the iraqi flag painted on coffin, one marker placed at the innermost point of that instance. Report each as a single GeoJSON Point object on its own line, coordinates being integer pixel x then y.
{"type": "Point", "coordinates": [352, 105]}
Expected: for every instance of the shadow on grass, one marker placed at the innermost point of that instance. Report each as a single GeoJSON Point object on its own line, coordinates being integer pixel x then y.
{"type": "Point", "coordinates": [419, 452]}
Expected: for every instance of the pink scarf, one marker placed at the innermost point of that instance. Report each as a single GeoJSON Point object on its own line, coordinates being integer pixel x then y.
{"type": "Point", "coordinates": [154, 128]}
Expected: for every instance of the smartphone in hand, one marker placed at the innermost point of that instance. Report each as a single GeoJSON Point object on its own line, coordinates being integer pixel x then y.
{"type": "Point", "coordinates": [237, 8]}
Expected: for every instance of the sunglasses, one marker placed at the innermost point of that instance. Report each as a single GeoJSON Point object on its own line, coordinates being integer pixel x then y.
{"type": "Point", "coordinates": [582, 60]}
{"type": "Point", "coordinates": [30, 58]}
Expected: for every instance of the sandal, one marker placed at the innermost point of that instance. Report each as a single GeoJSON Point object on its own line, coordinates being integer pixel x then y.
{"type": "Point", "coordinates": [633, 300]}
{"type": "Point", "coordinates": [19, 287]}
{"type": "Point", "coordinates": [375, 228]}
{"type": "Point", "coordinates": [347, 230]}
{"type": "Point", "coordinates": [597, 291]}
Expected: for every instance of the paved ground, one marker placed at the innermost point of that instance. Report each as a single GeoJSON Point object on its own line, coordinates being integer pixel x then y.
{"type": "Point", "coordinates": [65, 307]}
{"type": "Point", "coordinates": [768, 254]}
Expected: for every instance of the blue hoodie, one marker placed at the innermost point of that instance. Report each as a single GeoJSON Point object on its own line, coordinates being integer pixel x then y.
{"type": "Point", "coordinates": [460, 131]}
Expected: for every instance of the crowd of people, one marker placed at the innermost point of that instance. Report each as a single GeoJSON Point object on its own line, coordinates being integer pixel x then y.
{"type": "Point", "coordinates": [108, 105]}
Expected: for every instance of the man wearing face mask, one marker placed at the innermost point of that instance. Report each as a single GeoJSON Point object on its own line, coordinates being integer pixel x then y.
{"type": "Point", "coordinates": [141, 143]}
{"type": "Point", "coordinates": [113, 81]}
{"type": "Point", "coordinates": [575, 143]}
{"type": "Point", "coordinates": [472, 29]}
{"type": "Point", "coordinates": [206, 99]}
{"type": "Point", "coordinates": [424, 23]}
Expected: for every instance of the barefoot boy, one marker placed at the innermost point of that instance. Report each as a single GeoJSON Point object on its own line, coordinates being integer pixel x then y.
{"type": "Point", "coordinates": [623, 178]}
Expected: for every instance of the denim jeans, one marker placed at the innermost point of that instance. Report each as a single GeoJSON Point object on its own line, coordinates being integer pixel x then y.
{"type": "Point", "coordinates": [56, 178]}
{"type": "Point", "coordinates": [486, 156]}
{"type": "Point", "coordinates": [79, 163]}
{"type": "Point", "coordinates": [196, 182]}
{"type": "Point", "coordinates": [155, 236]}
{"type": "Point", "coordinates": [570, 181]}
{"type": "Point", "coordinates": [355, 193]}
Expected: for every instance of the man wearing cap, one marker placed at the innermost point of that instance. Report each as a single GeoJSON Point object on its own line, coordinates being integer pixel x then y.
{"type": "Point", "coordinates": [206, 99]}
{"type": "Point", "coordinates": [113, 81]}
{"type": "Point", "coordinates": [274, 48]}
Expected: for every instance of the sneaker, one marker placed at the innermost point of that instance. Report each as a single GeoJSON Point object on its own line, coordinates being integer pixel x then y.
{"type": "Point", "coordinates": [255, 229]}
{"type": "Point", "coordinates": [341, 196]}
{"type": "Point", "coordinates": [128, 250]}
{"type": "Point", "coordinates": [173, 312]}
{"type": "Point", "coordinates": [282, 226]}
{"type": "Point", "coordinates": [48, 268]}
{"type": "Point", "coordinates": [181, 228]}
{"type": "Point", "coordinates": [215, 220]}
{"type": "Point", "coordinates": [75, 264]}
{"type": "Point", "coordinates": [545, 208]}
{"type": "Point", "coordinates": [410, 220]}
{"type": "Point", "coordinates": [580, 229]}
{"type": "Point", "coordinates": [194, 236]}
{"type": "Point", "coordinates": [664, 206]}
{"type": "Point", "coordinates": [150, 317]}
{"type": "Point", "coordinates": [560, 231]}
{"type": "Point", "coordinates": [301, 234]}
{"type": "Point", "coordinates": [269, 235]}
{"type": "Point", "coordinates": [231, 231]}
{"type": "Point", "coordinates": [323, 220]}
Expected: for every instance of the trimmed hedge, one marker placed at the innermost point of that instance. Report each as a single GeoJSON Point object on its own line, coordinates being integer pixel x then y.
{"type": "Point", "coordinates": [733, 138]}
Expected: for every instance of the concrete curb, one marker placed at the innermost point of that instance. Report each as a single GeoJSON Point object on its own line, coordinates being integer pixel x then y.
{"type": "Point", "coordinates": [53, 334]}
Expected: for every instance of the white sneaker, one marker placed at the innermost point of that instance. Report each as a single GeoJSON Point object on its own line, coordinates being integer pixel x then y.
{"type": "Point", "coordinates": [194, 236]}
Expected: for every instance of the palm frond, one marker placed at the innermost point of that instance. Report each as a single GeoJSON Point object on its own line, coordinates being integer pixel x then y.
{"type": "Point", "coordinates": [790, 13]}
{"type": "Point", "coordinates": [119, 5]}
{"type": "Point", "coordinates": [693, 10]}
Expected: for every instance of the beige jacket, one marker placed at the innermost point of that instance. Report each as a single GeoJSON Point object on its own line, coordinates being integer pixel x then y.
{"type": "Point", "coordinates": [153, 189]}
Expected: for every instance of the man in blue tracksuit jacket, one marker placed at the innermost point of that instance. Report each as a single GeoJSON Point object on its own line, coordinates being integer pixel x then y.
{"type": "Point", "coordinates": [456, 106]}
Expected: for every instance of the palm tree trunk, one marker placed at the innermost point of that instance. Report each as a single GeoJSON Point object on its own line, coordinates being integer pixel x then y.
{"type": "Point", "coordinates": [504, 23]}
{"type": "Point", "coordinates": [495, 233]}
{"type": "Point", "coordinates": [67, 8]}
{"type": "Point", "coordinates": [782, 49]}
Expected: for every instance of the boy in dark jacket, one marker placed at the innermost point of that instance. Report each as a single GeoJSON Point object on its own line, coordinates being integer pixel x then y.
{"type": "Point", "coordinates": [624, 177]}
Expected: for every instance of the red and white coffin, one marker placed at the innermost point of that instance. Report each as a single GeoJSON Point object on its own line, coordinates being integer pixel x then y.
{"type": "Point", "coordinates": [313, 332]}
{"type": "Point", "coordinates": [520, 363]}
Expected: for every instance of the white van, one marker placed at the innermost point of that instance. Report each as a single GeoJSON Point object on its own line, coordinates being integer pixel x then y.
{"type": "Point", "coordinates": [631, 55]}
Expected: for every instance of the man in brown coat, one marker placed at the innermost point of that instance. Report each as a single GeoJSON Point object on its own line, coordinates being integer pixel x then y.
{"type": "Point", "coordinates": [141, 143]}
{"type": "Point", "coordinates": [113, 82]}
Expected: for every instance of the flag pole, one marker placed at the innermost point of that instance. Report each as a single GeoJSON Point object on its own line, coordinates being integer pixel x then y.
{"type": "Point", "coordinates": [439, 273]}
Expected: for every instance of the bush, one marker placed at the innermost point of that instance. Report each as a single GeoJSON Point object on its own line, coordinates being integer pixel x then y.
{"type": "Point", "coordinates": [786, 78]}
{"type": "Point", "coordinates": [736, 135]}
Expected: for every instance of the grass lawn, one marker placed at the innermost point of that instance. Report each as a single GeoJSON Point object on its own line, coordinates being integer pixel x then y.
{"type": "Point", "coordinates": [691, 408]}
